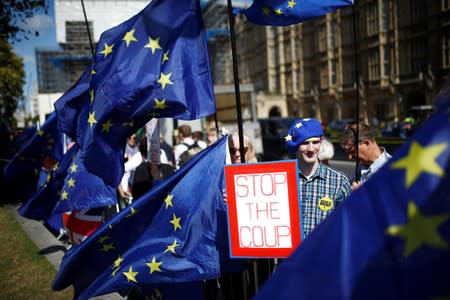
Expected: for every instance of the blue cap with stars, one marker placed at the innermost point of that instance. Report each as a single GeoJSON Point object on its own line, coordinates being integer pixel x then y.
{"type": "Point", "coordinates": [300, 131]}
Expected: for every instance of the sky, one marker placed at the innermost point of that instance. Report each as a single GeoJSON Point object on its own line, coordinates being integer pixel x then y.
{"type": "Point", "coordinates": [45, 24]}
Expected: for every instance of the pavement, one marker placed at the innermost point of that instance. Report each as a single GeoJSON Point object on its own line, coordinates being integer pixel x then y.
{"type": "Point", "coordinates": [49, 246]}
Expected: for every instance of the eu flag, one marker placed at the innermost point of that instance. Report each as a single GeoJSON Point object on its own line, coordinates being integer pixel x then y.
{"type": "Point", "coordinates": [287, 12]}
{"type": "Point", "coordinates": [174, 233]}
{"type": "Point", "coordinates": [46, 142]}
{"type": "Point", "coordinates": [154, 65]}
{"type": "Point", "coordinates": [41, 205]}
{"type": "Point", "coordinates": [70, 105]}
{"type": "Point", "coordinates": [391, 238]}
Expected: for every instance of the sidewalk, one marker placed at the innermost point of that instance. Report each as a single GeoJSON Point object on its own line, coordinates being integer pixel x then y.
{"type": "Point", "coordinates": [49, 246]}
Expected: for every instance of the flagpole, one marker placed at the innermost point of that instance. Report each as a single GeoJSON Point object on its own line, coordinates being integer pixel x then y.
{"type": "Point", "coordinates": [355, 40]}
{"type": "Point", "coordinates": [88, 31]}
{"type": "Point", "coordinates": [236, 81]}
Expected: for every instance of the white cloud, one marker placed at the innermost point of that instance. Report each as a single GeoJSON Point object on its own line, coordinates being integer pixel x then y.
{"type": "Point", "coordinates": [39, 22]}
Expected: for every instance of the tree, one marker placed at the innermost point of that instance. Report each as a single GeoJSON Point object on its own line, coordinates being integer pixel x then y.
{"type": "Point", "coordinates": [13, 15]}
{"type": "Point", "coordinates": [12, 79]}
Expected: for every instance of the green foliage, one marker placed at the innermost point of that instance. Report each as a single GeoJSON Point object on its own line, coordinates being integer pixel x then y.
{"type": "Point", "coordinates": [12, 75]}
{"type": "Point", "coordinates": [13, 14]}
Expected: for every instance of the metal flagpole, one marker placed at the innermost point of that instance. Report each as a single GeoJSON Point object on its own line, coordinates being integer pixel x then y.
{"type": "Point", "coordinates": [236, 81]}
{"type": "Point", "coordinates": [355, 40]}
{"type": "Point", "coordinates": [88, 31]}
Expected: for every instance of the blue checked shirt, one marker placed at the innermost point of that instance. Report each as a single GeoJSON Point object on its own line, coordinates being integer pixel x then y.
{"type": "Point", "coordinates": [320, 194]}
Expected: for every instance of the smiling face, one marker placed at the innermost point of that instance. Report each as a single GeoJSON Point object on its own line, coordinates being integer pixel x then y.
{"type": "Point", "coordinates": [308, 151]}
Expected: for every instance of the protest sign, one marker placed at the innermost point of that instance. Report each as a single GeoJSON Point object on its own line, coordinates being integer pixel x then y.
{"type": "Point", "coordinates": [263, 209]}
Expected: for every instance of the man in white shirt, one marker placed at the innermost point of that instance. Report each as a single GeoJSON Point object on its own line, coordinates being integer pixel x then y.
{"type": "Point", "coordinates": [186, 141]}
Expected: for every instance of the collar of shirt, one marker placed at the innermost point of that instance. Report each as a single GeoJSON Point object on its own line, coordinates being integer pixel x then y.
{"type": "Point", "coordinates": [319, 173]}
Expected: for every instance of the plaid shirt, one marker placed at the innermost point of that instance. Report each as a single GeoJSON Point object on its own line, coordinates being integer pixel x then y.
{"type": "Point", "coordinates": [320, 194]}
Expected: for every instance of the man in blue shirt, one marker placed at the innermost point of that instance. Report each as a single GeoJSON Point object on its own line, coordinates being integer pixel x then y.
{"type": "Point", "coordinates": [321, 187]}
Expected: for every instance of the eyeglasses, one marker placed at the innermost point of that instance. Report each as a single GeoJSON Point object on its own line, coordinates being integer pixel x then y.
{"type": "Point", "coordinates": [234, 150]}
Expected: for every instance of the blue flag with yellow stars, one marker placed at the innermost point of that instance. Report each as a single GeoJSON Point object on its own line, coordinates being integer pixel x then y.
{"type": "Point", "coordinates": [154, 65]}
{"type": "Point", "coordinates": [174, 233]}
{"type": "Point", "coordinates": [46, 142]}
{"type": "Point", "coordinates": [69, 107]}
{"type": "Point", "coordinates": [391, 238]}
{"type": "Point", "coordinates": [288, 12]}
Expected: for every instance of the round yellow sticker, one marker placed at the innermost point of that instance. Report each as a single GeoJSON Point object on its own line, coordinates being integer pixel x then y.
{"type": "Point", "coordinates": [326, 203]}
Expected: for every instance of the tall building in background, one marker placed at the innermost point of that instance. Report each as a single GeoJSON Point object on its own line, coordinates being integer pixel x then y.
{"type": "Point", "coordinates": [403, 55]}
{"type": "Point", "coordinates": [58, 70]}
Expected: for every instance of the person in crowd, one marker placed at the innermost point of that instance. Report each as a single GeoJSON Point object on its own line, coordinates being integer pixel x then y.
{"type": "Point", "coordinates": [322, 188]}
{"type": "Point", "coordinates": [212, 136]}
{"type": "Point", "coordinates": [198, 139]}
{"type": "Point", "coordinates": [133, 158]}
{"type": "Point", "coordinates": [148, 174]}
{"type": "Point", "coordinates": [326, 152]}
{"type": "Point", "coordinates": [370, 155]}
{"type": "Point", "coordinates": [234, 147]}
{"type": "Point", "coordinates": [186, 142]}
{"type": "Point", "coordinates": [168, 151]}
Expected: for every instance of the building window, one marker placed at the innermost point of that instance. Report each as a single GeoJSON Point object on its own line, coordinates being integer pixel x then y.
{"type": "Point", "coordinates": [418, 11]}
{"type": "Point", "coordinates": [445, 5]}
{"type": "Point", "coordinates": [418, 56]}
{"type": "Point", "coordinates": [372, 19]}
{"type": "Point", "coordinates": [446, 50]}
{"type": "Point", "coordinates": [324, 76]}
{"type": "Point", "coordinates": [322, 38]}
{"type": "Point", "coordinates": [386, 66]}
{"type": "Point", "coordinates": [374, 64]}
{"type": "Point", "coordinates": [385, 16]}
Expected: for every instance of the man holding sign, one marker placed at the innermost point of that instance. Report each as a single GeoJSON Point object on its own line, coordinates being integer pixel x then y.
{"type": "Point", "coordinates": [321, 188]}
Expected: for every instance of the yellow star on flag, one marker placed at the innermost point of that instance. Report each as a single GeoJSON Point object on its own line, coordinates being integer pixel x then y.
{"type": "Point", "coordinates": [117, 262]}
{"type": "Point", "coordinates": [107, 247]}
{"type": "Point", "coordinates": [153, 44]}
{"type": "Point", "coordinates": [71, 182]}
{"type": "Point", "coordinates": [165, 57]}
{"type": "Point", "coordinates": [176, 223]}
{"type": "Point", "coordinates": [165, 79]}
{"type": "Point", "coordinates": [129, 37]}
{"type": "Point", "coordinates": [107, 126]}
{"type": "Point", "coordinates": [266, 11]}
{"type": "Point", "coordinates": [103, 239]}
{"type": "Point", "coordinates": [115, 272]}
{"type": "Point", "coordinates": [160, 104]}
{"type": "Point", "coordinates": [93, 72]}
{"type": "Point", "coordinates": [91, 95]}
{"type": "Point", "coordinates": [278, 12]}
{"type": "Point", "coordinates": [73, 168]}
{"type": "Point", "coordinates": [288, 138]}
{"type": "Point", "coordinates": [291, 4]}
{"type": "Point", "coordinates": [91, 119]}
{"type": "Point", "coordinates": [40, 133]}
{"type": "Point", "coordinates": [420, 230]}
{"type": "Point", "coordinates": [421, 159]}
{"type": "Point", "coordinates": [298, 125]}
{"type": "Point", "coordinates": [64, 195]}
{"type": "Point", "coordinates": [107, 50]}
{"type": "Point", "coordinates": [130, 275]}
{"type": "Point", "coordinates": [172, 247]}
{"type": "Point", "coordinates": [154, 265]}
{"type": "Point", "coordinates": [168, 201]}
